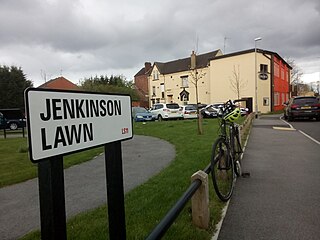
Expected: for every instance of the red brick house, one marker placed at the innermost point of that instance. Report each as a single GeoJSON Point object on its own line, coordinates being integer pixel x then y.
{"type": "Point", "coordinates": [60, 83]}
{"type": "Point", "coordinates": [142, 86]}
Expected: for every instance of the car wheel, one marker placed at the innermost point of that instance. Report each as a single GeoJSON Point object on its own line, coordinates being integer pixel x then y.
{"type": "Point", "coordinates": [13, 126]}
{"type": "Point", "coordinates": [160, 118]}
{"type": "Point", "coordinates": [290, 118]}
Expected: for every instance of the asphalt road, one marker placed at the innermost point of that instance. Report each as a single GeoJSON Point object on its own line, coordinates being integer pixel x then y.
{"type": "Point", "coordinates": [281, 198]}
{"type": "Point", "coordinates": [85, 185]}
{"type": "Point", "coordinates": [310, 127]}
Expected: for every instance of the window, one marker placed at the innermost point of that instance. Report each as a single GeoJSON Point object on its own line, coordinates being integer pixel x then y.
{"type": "Point", "coordinates": [283, 99]}
{"type": "Point", "coordinates": [276, 99]}
{"type": "Point", "coordinates": [263, 68]}
{"type": "Point", "coordinates": [153, 90]}
{"type": "Point", "coordinates": [155, 75]}
{"type": "Point", "coordinates": [184, 81]}
{"type": "Point", "coordinates": [282, 73]}
{"type": "Point", "coordinates": [276, 70]}
{"type": "Point", "coordinates": [265, 101]}
{"type": "Point", "coordinates": [162, 90]}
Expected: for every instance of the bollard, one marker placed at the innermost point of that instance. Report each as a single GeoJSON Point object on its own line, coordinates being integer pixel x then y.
{"type": "Point", "coordinates": [200, 201]}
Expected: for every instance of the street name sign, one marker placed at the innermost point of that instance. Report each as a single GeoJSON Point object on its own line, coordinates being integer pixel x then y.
{"type": "Point", "coordinates": [61, 122]}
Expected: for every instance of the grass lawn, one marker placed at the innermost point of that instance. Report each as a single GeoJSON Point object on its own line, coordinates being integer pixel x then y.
{"type": "Point", "coordinates": [16, 166]}
{"type": "Point", "coordinates": [147, 204]}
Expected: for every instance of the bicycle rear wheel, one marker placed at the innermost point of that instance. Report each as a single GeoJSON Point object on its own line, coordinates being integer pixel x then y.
{"type": "Point", "coordinates": [222, 169]}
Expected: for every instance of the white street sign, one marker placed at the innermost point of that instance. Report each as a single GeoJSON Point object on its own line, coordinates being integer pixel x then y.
{"type": "Point", "coordinates": [61, 122]}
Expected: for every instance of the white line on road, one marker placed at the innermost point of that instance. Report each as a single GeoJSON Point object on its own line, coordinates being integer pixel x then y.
{"type": "Point", "coordinates": [310, 137]}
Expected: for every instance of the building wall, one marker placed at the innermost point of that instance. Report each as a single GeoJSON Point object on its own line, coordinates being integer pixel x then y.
{"type": "Point", "coordinates": [281, 83]}
{"type": "Point", "coordinates": [169, 86]}
{"type": "Point", "coordinates": [215, 86]}
{"type": "Point", "coordinates": [223, 70]}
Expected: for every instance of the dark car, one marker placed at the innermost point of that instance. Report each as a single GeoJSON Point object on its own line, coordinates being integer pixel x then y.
{"type": "Point", "coordinates": [2, 121]}
{"type": "Point", "coordinates": [302, 107]}
{"type": "Point", "coordinates": [209, 112]}
{"type": "Point", "coordinates": [140, 114]}
{"type": "Point", "coordinates": [14, 118]}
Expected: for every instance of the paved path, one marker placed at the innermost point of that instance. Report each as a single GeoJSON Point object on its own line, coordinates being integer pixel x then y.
{"type": "Point", "coordinates": [85, 185]}
{"type": "Point", "coordinates": [281, 199]}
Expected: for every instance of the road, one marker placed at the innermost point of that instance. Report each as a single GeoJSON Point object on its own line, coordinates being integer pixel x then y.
{"type": "Point", "coordinates": [310, 127]}
{"type": "Point", "coordinates": [85, 185]}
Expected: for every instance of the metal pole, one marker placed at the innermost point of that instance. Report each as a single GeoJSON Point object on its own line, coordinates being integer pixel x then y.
{"type": "Point", "coordinates": [52, 199]}
{"type": "Point", "coordinates": [115, 192]}
{"type": "Point", "coordinates": [255, 75]}
{"type": "Point", "coordinates": [255, 78]}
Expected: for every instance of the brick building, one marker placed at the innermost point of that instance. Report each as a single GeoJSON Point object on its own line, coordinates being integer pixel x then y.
{"type": "Point", "coordinates": [142, 86]}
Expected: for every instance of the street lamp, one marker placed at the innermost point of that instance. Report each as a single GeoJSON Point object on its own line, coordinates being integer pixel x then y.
{"type": "Point", "coordinates": [256, 75]}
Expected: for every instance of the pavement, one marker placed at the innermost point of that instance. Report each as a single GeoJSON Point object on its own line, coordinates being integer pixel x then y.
{"type": "Point", "coordinates": [281, 198]}
{"type": "Point", "coordinates": [85, 185]}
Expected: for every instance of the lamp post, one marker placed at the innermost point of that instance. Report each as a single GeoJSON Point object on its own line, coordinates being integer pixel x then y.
{"type": "Point", "coordinates": [256, 75]}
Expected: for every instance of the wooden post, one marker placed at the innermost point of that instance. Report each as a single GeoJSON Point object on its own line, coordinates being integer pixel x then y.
{"type": "Point", "coordinates": [200, 201]}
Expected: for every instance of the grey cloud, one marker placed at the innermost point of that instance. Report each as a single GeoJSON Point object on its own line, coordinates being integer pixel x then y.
{"type": "Point", "coordinates": [110, 35]}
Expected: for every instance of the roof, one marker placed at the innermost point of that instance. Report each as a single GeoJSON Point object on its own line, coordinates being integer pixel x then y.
{"type": "Point", "coordinates": [59, 83]}
{"type": "Point", "coordinates": [141, 72]}
{"type": "Point", "coordinates": [181, 65]}
{"type": "Point", "coordinates": [250, 51]}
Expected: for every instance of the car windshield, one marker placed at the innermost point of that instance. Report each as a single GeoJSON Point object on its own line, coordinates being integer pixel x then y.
{"type": "Point", "coordinates": [302, 101]}
{"type": "Point", "coordinates": [190, 107]}
{"type": "Point", "coordinates": [211, 109]}
{"type": "Point", "coordinates": [172, 106]}
{"type": "Point", "coordinates": [140, 110]}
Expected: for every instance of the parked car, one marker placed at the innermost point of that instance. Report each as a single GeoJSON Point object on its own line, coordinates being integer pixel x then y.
{"type": "Point", "coordinates": [163, 111]}
{"type": "Point", "coordinates": [302, 107]}
{"type": "Point", "coordinates": [140, 114]}
{"type": "Point", "coordinates": [189, 111]}
{"type": "Point", "coordinates": [243, 111]}
{"type": "Point", "coordinates": [209, 112]}
{"type": "Point", "coordinates": [14, 118]}
{"type": "Point", "coordinates": [2, 121]}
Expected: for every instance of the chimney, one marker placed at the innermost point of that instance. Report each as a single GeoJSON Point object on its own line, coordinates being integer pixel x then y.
{"type": "Point", "coordinates": [147, 67]}
{"type": "Point", "coordinates": [193, 61]}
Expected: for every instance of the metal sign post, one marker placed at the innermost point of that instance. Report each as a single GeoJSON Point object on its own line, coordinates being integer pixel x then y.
{"type": "Point", "coordinates": [63, 122]}
{"type": "Point", "coordinates": [115, 194]}
{"type": "Point", "coordinates": [52, 199]}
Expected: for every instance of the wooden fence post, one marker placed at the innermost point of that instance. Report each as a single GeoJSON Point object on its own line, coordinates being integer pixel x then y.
{"type": "Point", "coordinates": [200, 201]}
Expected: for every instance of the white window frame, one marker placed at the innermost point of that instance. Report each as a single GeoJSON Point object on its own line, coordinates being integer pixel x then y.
{"type": "Point", "coordinates": [184, 81]}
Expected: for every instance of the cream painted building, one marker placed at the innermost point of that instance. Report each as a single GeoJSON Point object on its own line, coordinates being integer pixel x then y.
{"type": "Point", "coordinates": [260, 77]}
{"type": "Point", "coordinates": [175, 81]}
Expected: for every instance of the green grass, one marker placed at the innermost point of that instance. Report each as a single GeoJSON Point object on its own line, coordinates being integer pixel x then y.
{"type": "Point", "coordinates": [147, 204]}
{"type": "Point", "coordinates": [16, 166]}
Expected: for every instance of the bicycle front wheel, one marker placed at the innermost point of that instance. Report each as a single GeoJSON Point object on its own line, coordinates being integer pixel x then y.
{"type": "Point", "coordinates": [222, 169]}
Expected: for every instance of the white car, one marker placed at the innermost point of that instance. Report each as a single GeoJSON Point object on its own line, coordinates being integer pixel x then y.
{"type": "Point", "coordinates": [162, 111]}
{"type": "Point", "coordinates": [189, 111]}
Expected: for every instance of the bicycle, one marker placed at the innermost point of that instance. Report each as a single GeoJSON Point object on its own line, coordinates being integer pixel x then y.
{"type": "Point", "coordinates": [226, 152]}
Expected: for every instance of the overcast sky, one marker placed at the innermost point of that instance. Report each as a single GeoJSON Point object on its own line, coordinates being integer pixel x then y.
{"type": "Point", "coordinates": [83, 38]}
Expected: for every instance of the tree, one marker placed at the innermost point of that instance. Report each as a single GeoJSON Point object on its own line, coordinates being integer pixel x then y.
{"type": "Point", "coordinates": [13, 82]}
{"type": "Point", "coordinates": [195, 77]}
{"type": "Point", "coordinates": [113, 84]}
{"type": "Point", "coordinates": [237, 85]}
{"type": "Point", "coordinates": [296, 74]}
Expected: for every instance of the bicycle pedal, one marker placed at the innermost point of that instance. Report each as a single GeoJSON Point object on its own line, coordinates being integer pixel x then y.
{"type": "Point", "coordinates": [245, 174]}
